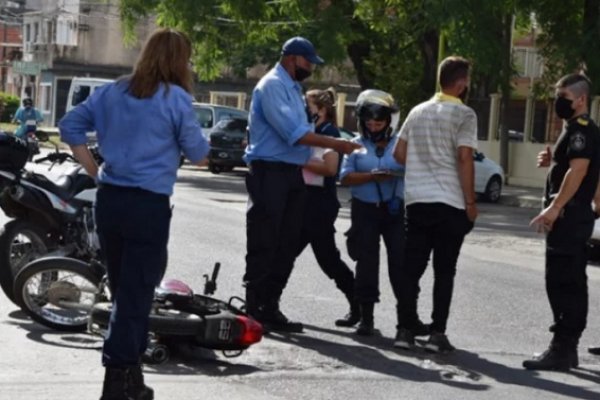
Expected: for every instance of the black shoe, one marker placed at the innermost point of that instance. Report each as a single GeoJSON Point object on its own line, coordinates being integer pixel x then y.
{"type": "Point", "coordinates": [594, 350]}
{"type": "Point", "coordinates": [366, 327]}
{"type": "Point", "coordinates": [553, 359]}
{"type": "Point", "coordinates": [351, 319]}
{"type": "Point", "coordinates": [136, 388]}
{"type": "Point", "coordinates": [276, 321]}
{"type": "Point", "coordinates": [439, 343]}
{"type": "Point", "coordinates": [405, 339]}
{"type": "Point", "coordinates": [115, 384]}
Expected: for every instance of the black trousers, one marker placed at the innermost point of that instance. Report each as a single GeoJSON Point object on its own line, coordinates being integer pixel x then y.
{"type": "Point", "coordinates": [370, 222]}
{"type": "Point", "coordinates": [437, 228]}
{"type": "Point", "coordinates": [133, 227]}
{"type": "Point", "coordinates": [276, 198]}
{"type": "Point", "coordinates": [566, 278]}
{"type": "Point", "coordinates": [318, 230]}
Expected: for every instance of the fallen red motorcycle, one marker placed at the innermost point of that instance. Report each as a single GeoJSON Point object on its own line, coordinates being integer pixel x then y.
{"type": "Point", "coordinates": [71, 295]}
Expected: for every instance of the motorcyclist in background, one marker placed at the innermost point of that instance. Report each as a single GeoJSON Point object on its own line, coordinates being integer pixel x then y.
{"type": "Point", "coordinates": [28, 117]}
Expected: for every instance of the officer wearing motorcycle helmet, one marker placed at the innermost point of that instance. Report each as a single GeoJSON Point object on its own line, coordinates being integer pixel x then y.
{"type": "Point", "coordinates": [373, 104]}
{"type": "Point", "coordinates": [28, 118]}
{"type": "Point", "coordinates": [377, 186]}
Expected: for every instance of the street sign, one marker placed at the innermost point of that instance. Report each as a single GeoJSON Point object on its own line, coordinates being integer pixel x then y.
{"type": "Point", "coordinates": [27, 67]}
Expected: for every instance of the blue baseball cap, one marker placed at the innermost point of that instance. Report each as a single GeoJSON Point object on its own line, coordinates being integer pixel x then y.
{"type": "Point", "coordinates": [299, 46]}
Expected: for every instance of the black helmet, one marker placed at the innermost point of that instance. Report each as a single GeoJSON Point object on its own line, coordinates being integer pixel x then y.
{"type": "Point", "coordinates": [375, 104]}
{"type": "Point", "coordinates": [27, 102]}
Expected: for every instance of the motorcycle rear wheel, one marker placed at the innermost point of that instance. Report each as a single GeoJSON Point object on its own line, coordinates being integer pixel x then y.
{"type": "Point", "coordinates": [58, 292]}
{"type": "Point", "coordinates": [20, 243]}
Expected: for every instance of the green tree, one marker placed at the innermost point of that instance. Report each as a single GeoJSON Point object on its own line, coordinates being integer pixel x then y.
{"type": "Point", "coordinates": [569, 39]}
{"type": "Point", "coordinates": [391, 44]}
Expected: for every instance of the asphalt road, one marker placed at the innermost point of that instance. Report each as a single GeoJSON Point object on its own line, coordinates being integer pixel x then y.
{"type": "Point", "coordinates": [499, 317]}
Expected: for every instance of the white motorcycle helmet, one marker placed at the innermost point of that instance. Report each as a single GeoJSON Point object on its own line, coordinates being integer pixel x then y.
{"type": "Point", "coordinates": [378, 105]}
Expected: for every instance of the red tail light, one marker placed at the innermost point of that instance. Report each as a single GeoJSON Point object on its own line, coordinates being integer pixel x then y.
{"type": "Point", "coordinates": [252, 331]}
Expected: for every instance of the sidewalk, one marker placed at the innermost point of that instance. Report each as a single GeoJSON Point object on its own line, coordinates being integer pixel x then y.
{"type": "Point", "coordinates": [521, 196]}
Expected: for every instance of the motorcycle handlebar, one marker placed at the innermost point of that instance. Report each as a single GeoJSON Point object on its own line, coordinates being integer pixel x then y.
{"type": "Point", "coordinates": [56, 157]}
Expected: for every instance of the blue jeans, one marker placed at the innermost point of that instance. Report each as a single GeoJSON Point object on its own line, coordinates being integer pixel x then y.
{"type": "Point", "coordinates": [133, 226]}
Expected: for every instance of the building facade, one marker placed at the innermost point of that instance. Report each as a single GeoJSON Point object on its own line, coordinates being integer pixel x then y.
{"type": "Point", "coordinates": [62, 39]}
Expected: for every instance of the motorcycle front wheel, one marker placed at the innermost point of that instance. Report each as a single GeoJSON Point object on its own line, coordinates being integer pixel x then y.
{"type": "Point", "coordinates": [58, 292]}
{"type": "Point", "coordinates": [20, 243]}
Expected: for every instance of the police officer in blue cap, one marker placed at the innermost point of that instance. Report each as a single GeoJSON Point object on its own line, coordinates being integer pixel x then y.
{"type": "Point", "coordinates": [280, 136]}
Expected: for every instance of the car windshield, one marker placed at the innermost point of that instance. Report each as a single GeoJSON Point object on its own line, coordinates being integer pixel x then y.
{"type": "Point", "coordinates": [236, 126]}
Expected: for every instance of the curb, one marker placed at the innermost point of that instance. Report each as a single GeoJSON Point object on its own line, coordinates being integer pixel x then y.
{"type": "Point", "coordinates": [520, 201]}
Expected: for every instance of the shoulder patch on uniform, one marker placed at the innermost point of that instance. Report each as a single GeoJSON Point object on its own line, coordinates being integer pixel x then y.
{"type": "Point", "coordinates": [577, 141]}
{"type": "Point", "coordinates": [582, 121]}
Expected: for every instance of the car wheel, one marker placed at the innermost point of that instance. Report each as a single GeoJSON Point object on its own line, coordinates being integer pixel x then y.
{"type": "Point", "coordinates": [214, 168]}
{"type": "Point", "coordinates": [493, 189]}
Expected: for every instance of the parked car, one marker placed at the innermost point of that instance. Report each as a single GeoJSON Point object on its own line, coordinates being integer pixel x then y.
{"type": "Point", "coordinates": [488, 178]}
{"type": "Point", "coordinates": [594, 243]}
{"type": "Point", "coordinates": [210, 114]}
{"type": "Point", "coordinates": [228, 141]}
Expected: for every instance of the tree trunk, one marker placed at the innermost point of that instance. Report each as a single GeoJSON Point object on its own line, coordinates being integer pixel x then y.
{"type": "Point", "coordinates": [428, 44]}
{"type": "Point", "coordinates": [505, 88]}
{"type": "Point", "coordinates": [358, 52]}
{"type": "Point", "coordinates": [591, 41]}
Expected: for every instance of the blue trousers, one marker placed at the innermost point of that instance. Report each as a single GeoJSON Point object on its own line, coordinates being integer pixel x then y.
{"type": "Point", "coordinates": [133, 226]}
{"type": "Point", "coordinates": [370, 223]}
{"type": "Point", "coordinates": [276, 198]}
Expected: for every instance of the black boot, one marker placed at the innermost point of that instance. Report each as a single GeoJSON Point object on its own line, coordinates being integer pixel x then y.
{"type": "Point", "coordinates": [351, 319]}
{"type": "Point", "coordinates": [115, 384]}
{"type": "Point", "coordinates": [273, 319]}
{"type": "Point", "coordinates": [252, 303]}
{"type": "Point", "coordinates": [136, 387]}
{"type": "Point", "coordinates": [366, 326]}
{"type": "Point", "coordinates": [560, 356]}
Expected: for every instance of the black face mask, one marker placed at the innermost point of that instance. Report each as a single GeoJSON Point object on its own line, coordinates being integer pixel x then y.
{"type": "Point", "coordinates": [562, 107]}
{"type": "Point", "coordinates": [301, 73]}
{"type": "Point", "coordinates": [378, 136]}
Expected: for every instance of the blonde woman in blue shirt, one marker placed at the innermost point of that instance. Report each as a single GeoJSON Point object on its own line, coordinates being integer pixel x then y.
{"type": "Point", "coordinates": [143, 122]}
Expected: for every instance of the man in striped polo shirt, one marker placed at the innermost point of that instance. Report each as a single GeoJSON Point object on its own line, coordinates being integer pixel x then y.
{"type": "Point", "coordinates": [436, 144]}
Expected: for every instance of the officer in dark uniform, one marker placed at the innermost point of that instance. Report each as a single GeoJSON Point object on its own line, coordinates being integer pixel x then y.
{"type": "Point", "coordinates": [568, 219]}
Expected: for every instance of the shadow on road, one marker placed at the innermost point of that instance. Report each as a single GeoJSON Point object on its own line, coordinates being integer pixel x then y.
{"type": "Point", "coordinates": [183, 361]}
{"type": "Point", "coordinates": [462, 369]}
{"type": "Point", "coordinates": [369, 357]}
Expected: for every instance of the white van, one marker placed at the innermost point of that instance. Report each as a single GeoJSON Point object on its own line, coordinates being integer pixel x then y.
{"type": "Point", "coordinates": [210, 114]}
{"type": "Point", "coordinates": [81, 88]}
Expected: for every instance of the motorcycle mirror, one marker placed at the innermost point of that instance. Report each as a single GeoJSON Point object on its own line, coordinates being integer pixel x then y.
{"type": "Point", "coordinates": [42, 136]}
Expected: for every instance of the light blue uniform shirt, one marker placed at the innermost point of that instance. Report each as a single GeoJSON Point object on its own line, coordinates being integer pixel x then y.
{"type": "Point", "coordinates": [141, 140]}
{"type": "Point", "coordinates": [277, 120]}
{"type": "Point", "coordinates": [366, 160]}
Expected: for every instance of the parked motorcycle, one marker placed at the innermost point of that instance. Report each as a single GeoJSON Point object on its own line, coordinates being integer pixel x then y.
{"type": "Point", "coordinates": [49, 216]}
{"type": "Point", "coordinates": [71, 295]}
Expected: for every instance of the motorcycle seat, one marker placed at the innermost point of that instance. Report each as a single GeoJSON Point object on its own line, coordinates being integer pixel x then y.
{"type": "Point", "coordinates": [65, 186]}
